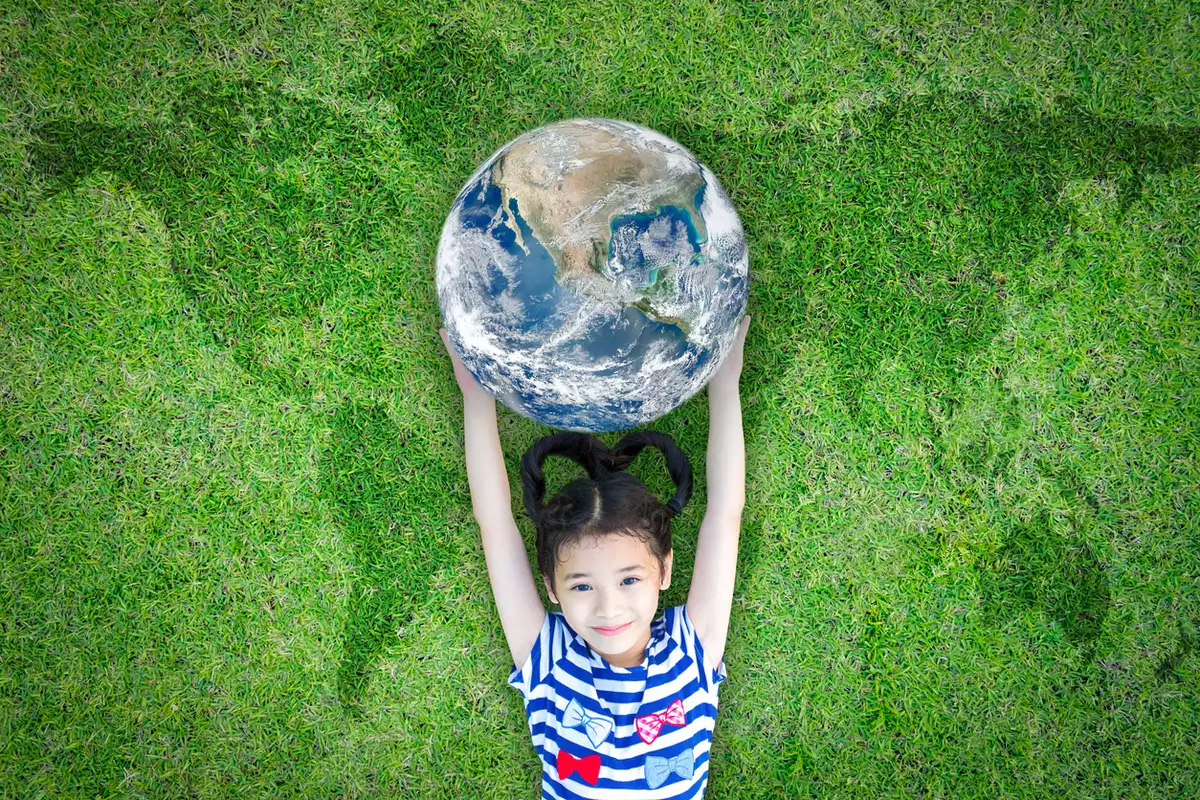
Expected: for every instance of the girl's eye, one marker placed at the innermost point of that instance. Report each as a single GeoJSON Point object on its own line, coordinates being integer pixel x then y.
{"type": "Point", "coordinates": [586, 586]}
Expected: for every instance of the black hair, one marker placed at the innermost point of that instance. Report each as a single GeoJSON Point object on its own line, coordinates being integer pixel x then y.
{"type": "Point", "coordinates": [609, 500]}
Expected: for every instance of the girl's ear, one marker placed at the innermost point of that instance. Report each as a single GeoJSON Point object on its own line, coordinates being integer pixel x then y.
{"type": "Point", "coordinates": [550, 591]}
{"type": "Point", "coordinates": [666, 579]}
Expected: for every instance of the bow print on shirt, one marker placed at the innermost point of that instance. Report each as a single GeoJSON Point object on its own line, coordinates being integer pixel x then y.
{"type": "Point", "coordinates": [659, 769]}
{"type": "Point", "coordinates": [649, 725]}
{"type": "Point", "coordinates": [588, 767]}
{"type": "Point", "coordinates": [597, 726]}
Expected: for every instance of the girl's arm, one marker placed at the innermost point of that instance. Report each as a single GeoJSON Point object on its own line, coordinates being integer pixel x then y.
{"type": "Point", "coordinates": [711, 594]}
{"type": "Point", "coordinates": [521, 611]}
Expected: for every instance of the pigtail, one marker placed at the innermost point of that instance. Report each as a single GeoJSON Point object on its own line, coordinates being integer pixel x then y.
{"type": "Point", "coordinates": [678, 465]}
{"type": "Point", "coordinates": [584, 448]}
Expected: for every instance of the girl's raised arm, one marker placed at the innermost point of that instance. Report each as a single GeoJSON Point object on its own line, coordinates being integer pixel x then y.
{"type": "Point", "coordinates": [710, 597]}
{"type": "Point", "coordinates": [521, 611]}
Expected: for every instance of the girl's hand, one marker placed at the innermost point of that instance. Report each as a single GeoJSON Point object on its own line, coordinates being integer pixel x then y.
{"type": "Point", "coordinates": [731, 370]}
{"type": "Point", "coordinates": [466, 381]}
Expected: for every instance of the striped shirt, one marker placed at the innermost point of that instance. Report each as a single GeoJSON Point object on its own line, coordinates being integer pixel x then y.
{"type": "Point", "coordinates": [603, 731]}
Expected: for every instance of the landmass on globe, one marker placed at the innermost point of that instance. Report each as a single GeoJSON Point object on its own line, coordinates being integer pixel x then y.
{"type": "Point", "coordinates": [557, 196]}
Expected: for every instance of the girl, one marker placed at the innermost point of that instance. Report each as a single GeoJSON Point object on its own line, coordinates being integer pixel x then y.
{"type": "Point", "coordinates": [619, 704]}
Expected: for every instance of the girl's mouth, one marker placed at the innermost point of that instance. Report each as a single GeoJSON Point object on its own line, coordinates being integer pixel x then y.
{"type": "Point", "coordinates": [613, 631]}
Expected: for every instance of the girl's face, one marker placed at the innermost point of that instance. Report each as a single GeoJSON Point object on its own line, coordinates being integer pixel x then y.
{"type": "Point", "coordinates": [609, 594]}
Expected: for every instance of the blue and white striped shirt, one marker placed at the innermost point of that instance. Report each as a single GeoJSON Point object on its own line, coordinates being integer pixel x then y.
{"type": "Point", "coordinates": [603, 731]}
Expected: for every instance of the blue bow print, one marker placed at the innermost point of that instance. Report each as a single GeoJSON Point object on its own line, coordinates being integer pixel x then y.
{"type": "Point", "coordinates": [598, 727]}
{"type": "Point", "coordinates": [659, 769]}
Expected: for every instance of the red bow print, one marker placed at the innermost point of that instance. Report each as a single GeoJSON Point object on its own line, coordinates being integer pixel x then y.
{"type": "Point", "coordinates": [649, 725]}
{"type": "Point", "coordinates": [588, 767]}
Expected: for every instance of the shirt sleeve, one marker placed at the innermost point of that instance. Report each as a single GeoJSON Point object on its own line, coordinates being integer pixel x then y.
{"type": "Point", "coordinates": [711, 676]}
{"type": "Point", "coordinates": [550, 646]}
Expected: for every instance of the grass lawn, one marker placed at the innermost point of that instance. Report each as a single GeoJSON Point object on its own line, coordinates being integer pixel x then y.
{"type": "Point", "coordinates": [237, 554]}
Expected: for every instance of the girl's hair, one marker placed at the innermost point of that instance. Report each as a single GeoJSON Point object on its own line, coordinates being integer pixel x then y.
{"type": "Point", "coordinates": [609, 500]}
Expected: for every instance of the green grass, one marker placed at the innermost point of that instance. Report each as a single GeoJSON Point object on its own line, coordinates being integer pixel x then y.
{"type": "Point", "coordinates": [237, 555]}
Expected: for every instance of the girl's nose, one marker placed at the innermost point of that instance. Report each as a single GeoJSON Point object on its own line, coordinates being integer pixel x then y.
{"type": "Point", "coordinates": [608, 603]}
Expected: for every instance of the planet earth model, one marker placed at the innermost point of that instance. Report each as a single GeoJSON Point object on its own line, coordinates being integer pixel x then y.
{"type": "Point", "coordinates": [592, 274]}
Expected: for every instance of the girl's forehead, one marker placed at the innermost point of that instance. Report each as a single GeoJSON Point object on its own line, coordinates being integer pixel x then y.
{"type": "Point", "coordinates": [600, 550]}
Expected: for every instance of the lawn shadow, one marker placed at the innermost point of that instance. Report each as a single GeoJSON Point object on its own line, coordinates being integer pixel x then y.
{"type": "Point", "coordinates": [384, 483]}
{"type": "Point", "coordinates": [263, 199]}
{"type": "Point", "coordinates": [904, 237]}
{"type": "Point", "coordinates": [1188, 639]}
{"type": "Point", "coordinates": [1058, 573]}
{"type": "Point", "coordinates": [270, 198]}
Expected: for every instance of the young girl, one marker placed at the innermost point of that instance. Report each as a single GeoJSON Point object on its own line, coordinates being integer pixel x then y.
{"type": "Point", "coordinates": [619, 703]}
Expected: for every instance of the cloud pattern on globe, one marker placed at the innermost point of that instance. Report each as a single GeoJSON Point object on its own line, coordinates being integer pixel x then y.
{"type": "Point", "coordinates": [591, 274]}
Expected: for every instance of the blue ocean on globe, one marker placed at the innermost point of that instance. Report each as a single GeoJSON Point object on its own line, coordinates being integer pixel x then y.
{"type": "Point", "coordinates": [591, 275]}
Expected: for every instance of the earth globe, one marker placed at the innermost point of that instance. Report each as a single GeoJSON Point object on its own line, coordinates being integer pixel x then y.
{"type": "Point", "coordinates": [591, 274]}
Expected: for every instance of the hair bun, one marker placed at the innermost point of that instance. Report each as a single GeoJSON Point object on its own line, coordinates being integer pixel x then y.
{"type": "Point", "coordinates": [678, 465]}
{"type": "Point", "coordinates": [583, 448]}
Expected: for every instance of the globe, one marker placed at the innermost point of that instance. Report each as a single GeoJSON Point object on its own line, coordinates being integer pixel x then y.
{"type": "Point", "coordinates": [591, 274]}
